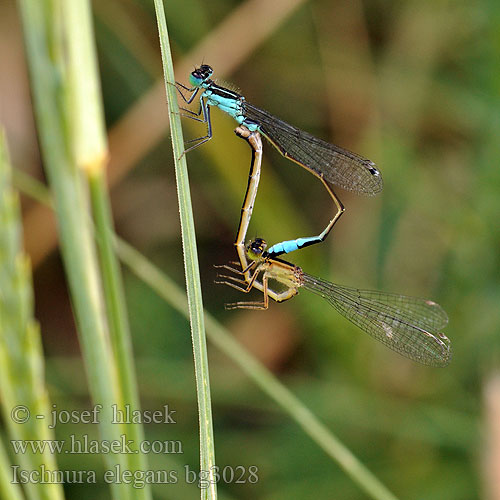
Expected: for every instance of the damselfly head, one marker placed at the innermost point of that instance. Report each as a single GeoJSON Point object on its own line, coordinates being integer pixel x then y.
{"type": "Point", "coordinates": [256, 248]}
{"type": "Point", "coordinates": [200, 75]}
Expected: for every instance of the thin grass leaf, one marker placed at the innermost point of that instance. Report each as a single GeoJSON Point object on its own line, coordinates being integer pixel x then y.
{"type": "Point", "coordinates": [8, 489]}
{"type": "Point", "coordinates": [22, 370]}
{"type": "Point", "coordinates": [90, 149]}
{"type": "Point", "coordinates": [47, 29]}
{"type": "Point", "coordinates": [193, 285]}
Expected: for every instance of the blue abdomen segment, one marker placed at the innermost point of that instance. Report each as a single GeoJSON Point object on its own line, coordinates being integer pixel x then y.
{"type": "Point", "coordinates": [292, 245]}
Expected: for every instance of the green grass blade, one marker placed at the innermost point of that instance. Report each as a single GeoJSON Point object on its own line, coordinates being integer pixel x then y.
{"type": "Point", "coordinates": [47, 30]}
{"type": "Point", "coordinates": [8, 489]}
{"type": "Point", "coordinates": [193, 285]}
{"type": "Point", "coordinates": [118, 322]}
{"type": "Point", "coordinates": [90, 146]}
{"type": "Point", "coordinates": [22, 377]}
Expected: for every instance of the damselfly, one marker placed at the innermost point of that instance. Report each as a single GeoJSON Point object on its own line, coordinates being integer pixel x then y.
{"type": "Point", "coordinates": [408, 325]}
{"type": "Point", "coordinates": [330, 163]}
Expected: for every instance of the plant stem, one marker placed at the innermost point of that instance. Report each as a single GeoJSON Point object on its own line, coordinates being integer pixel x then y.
{"type": "Point", "coordinates": [91, 152]}
{"type": "Point", "coordinates": [22, 369]}
{"type": "Point", "coordinates": [47, 31]}
{"type": "Point", "coordinates": [193, 285]}
{"type": "Point", "coordinates": [118, 321]}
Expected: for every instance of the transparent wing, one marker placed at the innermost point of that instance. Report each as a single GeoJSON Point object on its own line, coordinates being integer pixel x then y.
{"type": "Point", "coordinates": [408, 325]}
{"type": "Point", "coordinates": [338, 166]}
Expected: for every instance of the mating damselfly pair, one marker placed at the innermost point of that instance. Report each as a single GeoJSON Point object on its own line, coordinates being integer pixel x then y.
{"type": "Point", "coordinates": [408, 325]}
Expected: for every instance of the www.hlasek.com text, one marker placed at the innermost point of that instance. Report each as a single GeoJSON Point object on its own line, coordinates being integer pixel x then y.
{"type": "Point", "coordinates": [83, 445]}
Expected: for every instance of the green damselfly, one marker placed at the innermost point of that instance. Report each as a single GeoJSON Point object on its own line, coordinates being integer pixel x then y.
{"type": "Point", "coordinates": [408, 325]}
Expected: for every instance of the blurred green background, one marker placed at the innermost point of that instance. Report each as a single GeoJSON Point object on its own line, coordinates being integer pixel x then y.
{"type": "Point", "coordinates": [412, 85]}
